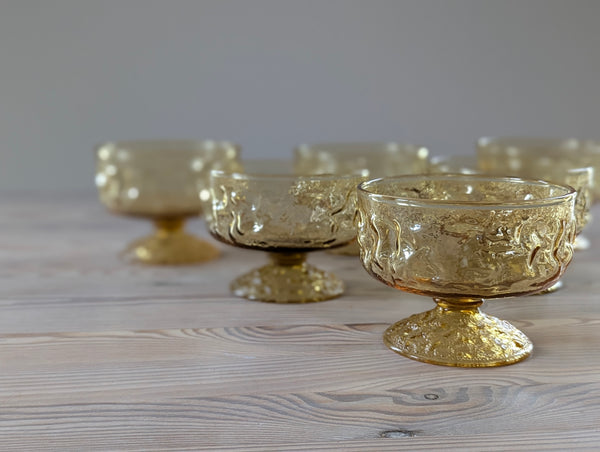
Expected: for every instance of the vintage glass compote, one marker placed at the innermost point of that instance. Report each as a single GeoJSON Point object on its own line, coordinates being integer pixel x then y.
{"type": "Point", "coordinates": [568, 162]}
{"type": "Point", "coordinates": [462, 239]}
{"type": "Point", "coordinates": [286, 216]}
{"type": "Point", "coordinates": [379, 159]}
{"type": "Point", "coordinates": [165, 182]}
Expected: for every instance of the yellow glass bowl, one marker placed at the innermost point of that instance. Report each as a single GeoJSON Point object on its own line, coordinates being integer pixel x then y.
{"type": "Point", "coordinates": [286, 216]}
{"type": "Point", "coordinates": [462, 239]}
{"type": "Point", "coordinates": [166, 182]}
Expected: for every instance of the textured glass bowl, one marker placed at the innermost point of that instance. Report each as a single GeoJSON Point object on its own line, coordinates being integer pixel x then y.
{"type": "Point", "coordinates": [567, 162]}
{"type": "Point", "coordinates": [166, 182]}
{"type": "Point", "coordinates": [286, 216]}
{"type": "Point", "coordinates": [462, 239]}
{"type": "Point", "coordinates": [379, 159]}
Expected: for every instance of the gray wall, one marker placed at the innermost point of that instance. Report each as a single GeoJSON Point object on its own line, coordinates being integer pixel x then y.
{"type": "Point", "coordinates": [271, 74]}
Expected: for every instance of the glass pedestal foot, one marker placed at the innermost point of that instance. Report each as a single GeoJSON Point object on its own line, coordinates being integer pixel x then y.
{"type": "Point", "coordinates": [170, 245]}
{"type": "Point", "coordinates": [458, 334]}
{"type": "Point", "coordinates": [287, 279]}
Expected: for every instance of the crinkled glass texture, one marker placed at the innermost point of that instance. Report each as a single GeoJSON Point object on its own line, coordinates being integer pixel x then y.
{"type": "Point", "coordinates": [160, 178]}
{"type": "Point", "coordinates": [293, 213]}
{"type": "Point", "coordinates": [465, 236]}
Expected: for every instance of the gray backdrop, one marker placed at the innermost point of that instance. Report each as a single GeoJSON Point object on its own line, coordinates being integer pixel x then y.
{"type": "Point", "coordinates": [271, 74]}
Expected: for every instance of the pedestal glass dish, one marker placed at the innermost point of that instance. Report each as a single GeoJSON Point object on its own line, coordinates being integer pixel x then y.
{"type": "Point", "coordinates": [165, 182]}
{"type": "Point", "coordinates": [462, 239]}
{"type": "Point", "coordinates": [286, 216]}
{"type": "Point", "coordinates": [379, 159]}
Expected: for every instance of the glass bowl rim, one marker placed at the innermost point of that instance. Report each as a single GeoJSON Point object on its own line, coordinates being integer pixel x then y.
{"type": "Point", "coordinates": [256, 176]}
{"type": "Point", "coordinates": [569, 192]}
{"type": "Point", "coordinates": [343, 147]}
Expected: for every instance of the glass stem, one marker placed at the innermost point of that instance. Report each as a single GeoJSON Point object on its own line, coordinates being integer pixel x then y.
{"type": "Point", "coordinates": [458, 304]}
{"type": "Point", "coordinates": [287, 259]}
{"type": "Point", "coordinates": [168, 226]}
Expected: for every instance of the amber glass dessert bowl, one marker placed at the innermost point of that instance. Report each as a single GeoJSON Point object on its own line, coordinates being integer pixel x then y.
{"type": "Point", "coordinates": [286, 216]}
{"type": "Point", "coordinates": [463, 239]}
{"type": "Point", "coordinates": [378, 158]}
{"type": "Point", "coordinates": [165, 182]}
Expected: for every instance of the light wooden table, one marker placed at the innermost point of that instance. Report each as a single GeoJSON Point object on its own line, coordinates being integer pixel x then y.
{"type": "Point", "coordinates": [99, 355]}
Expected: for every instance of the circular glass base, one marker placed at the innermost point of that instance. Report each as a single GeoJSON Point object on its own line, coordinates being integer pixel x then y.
{"type": "Point", "coordinates": [582, 243]}
{"type": "Point", "coordinates": [298, 283]}
{"type": "Point", "coordinates": [178, 248]}
{"type": "Point", "coordinates": [458, 337]}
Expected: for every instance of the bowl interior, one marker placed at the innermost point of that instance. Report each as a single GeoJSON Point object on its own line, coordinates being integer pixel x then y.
{"type": "Point", "coordinates": [448, 190]}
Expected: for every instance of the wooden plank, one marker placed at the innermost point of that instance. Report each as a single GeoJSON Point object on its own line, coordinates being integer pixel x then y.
{"type": "Point", "coordinates": [253, 360]}
{"type": "Point", "coordinates": [189, 297]}
{"type": "Point", "coordinates": [317, 417]}
{"type": "Point", "coordinates": [177, 440]}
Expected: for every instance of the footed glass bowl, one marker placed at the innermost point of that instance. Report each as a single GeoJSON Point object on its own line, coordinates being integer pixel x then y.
{"type": "Point", "coordinates": [286, 216]}
{"type": "Point", "coordinates": [165, 182]}
{"type": "Point", "coordinates": [462, 239]}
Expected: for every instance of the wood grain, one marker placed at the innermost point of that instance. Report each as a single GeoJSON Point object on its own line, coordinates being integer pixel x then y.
{"type": "Point", "coordinates": [99, 355]}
